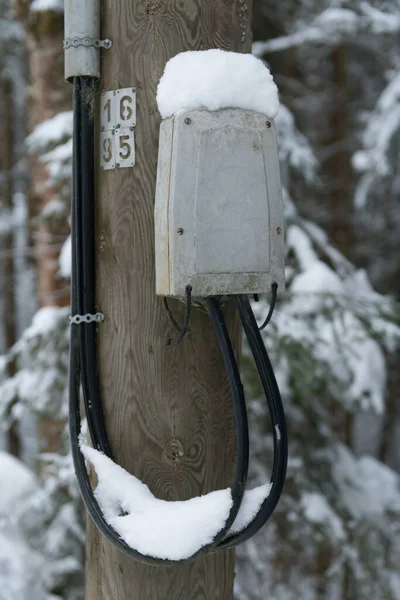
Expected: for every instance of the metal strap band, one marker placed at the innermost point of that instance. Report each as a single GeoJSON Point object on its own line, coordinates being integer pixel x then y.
{"type": "Point", "coordinates": [88, 318]}
{"type": "Point", "coordinates": [75, 42]}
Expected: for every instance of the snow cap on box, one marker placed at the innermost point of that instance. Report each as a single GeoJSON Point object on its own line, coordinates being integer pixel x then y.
{"type": "Point", "coordinates": [215, 79]}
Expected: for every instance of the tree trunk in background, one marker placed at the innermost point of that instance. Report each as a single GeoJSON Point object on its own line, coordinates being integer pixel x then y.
{"type": "Point", "coordinates": [7, 245]}
{"type": "Point", "coordinates": [48, 94]}
{"type": "Point", "coordinates": [338, 166]}
{"type": "Point", "coordinates": [391, 413]}
{"type": "Point", "coordinates": [339, 177]}
{"type": "Point", "coordinates": [158, 397]}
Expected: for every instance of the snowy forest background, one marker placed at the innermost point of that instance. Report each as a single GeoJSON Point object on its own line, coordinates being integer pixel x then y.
{"type": "Point", "coordinates": [334, 338]}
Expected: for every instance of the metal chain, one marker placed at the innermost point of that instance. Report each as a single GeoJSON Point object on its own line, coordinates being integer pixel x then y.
{"type": "Point", "coordinates": [88, 318]}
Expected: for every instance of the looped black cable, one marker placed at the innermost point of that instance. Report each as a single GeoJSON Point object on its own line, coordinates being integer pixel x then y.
{"type": "Point", "coordinates": [83, 356]}
{"type": "Point", "coordinates": [274, 291]}
{"type": "Point", "coordinates": [277, 414]}
{"type": "Point", "coordinates": [185, 327]}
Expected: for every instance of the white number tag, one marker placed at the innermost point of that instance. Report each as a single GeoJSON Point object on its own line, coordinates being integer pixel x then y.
{"type": "Point", "coordinates": [107, 150]}
{"type": "Point", "coordinates": [117, 120]}
{"type": "Point", "coordinates": [107, 111]}
{"type": "Point", "coordinates": [125, 142]}
{"type": "Point", "coordinates": [125, 107]}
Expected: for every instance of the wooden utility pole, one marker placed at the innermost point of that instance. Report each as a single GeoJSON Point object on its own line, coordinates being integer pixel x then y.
{"type": "Point", "coordinates": [167, 407]}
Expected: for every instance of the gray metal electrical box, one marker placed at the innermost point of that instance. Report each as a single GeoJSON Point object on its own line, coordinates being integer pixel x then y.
{"type": "Point", "coordinates": [218, 208]}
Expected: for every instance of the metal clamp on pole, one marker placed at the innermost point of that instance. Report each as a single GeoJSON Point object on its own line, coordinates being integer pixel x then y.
{"type": "Point", "coordinates": [82, 39]}
{"type": "Point", "coordinates": [75, 42]}
{"type": "Point", "coordinates": [87, 318]}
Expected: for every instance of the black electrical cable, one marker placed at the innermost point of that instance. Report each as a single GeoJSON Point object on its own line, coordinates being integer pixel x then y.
{"type": "Point", "coordinates": [75, 341]}
{"type": "Point", "coordinates": [274, 292]}
{"type": "Point", "coordinates": [86, 491]}
{"type": "Point", "coordinates": [277, 414]}
{"type": "Point", "coordinates": [83, 337]}
{"type": "Point", "coordinates": [83, 232]}
{"type": "Point", "coordinates": [239, 409]}
{"type": "Point", "coordinates": [83, 357]}
{"type": "Point", "coordinates": [186, 323]}
{"type": "Point", "coordinates": [185, 328]}
{"type": "Point", "coordinates": [78, 337]}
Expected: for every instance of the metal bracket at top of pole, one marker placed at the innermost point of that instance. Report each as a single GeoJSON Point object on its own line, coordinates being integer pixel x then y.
{"type": "Point", "coordinates": [82, 39]}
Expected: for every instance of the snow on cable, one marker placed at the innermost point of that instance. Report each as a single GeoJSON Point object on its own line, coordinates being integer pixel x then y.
{"type": "Point", "coordinates": [162, 529]}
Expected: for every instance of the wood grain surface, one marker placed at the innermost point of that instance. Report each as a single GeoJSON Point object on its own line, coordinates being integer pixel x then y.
{"type": "Point", "coordinates": [167, 407]}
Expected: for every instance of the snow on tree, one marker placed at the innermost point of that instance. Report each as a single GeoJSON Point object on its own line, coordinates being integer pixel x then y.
{"type": "Point", "coordinates": [335, 533]}
{"type": "Point", "coordinates": [19, 564]}
{"type": "Point", "coordinates": [375, 160]}
{"type": "Point", "coordinates": [343, 62]}
{"type": "Point", "coordinates": [39, 387]}
{"type": "Point", "coordinates": [334, 528]}
{"type": "Point", "coordinates": [52, 514]}
{"type": "Point", "coordinates": [334, 26]}
{"type": "Point", "coordinates": [48, 531]}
